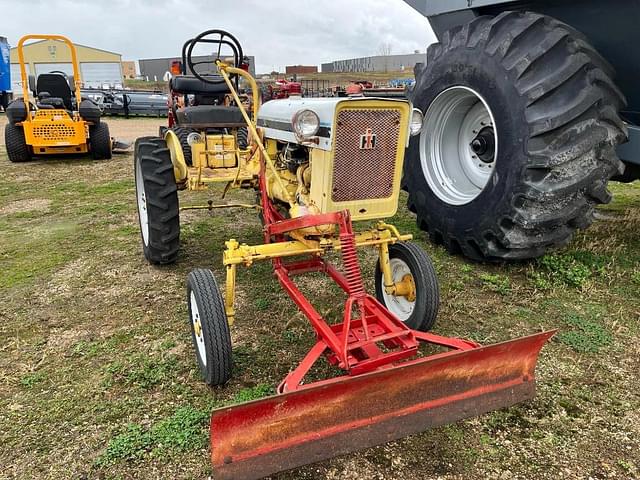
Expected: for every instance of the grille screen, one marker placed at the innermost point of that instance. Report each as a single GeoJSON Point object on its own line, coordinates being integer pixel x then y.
{"type": "Point", "coordinates": [53, 132]}
{"type": "Point", "coordinates": [366, 146]}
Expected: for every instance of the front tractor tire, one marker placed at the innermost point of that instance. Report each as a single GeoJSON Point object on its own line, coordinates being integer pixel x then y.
{"type": "Point", "coordinates": [157, 200]}
{"type": "Point", "coordinates": [209, 327]}
{"type": "Point", "coordinates": [519, 137]}
{"type": "Point", "coordinates": [410, 264]}
{"type": "Point", "coordinates": [14, 140]}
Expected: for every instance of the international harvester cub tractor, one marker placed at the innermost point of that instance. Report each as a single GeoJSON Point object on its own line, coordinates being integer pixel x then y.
{"type": "Point", "coordinates": [60, 122]}
{"type": "Point", "coordinates": [318, 165]}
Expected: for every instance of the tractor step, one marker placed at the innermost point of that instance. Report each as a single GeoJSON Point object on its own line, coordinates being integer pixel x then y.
{"type": "Point", "coordinates": [341, 415]}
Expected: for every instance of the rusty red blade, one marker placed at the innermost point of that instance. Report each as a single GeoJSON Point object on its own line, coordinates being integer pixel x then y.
{"type": "Point", "coordinates": [255, 439]}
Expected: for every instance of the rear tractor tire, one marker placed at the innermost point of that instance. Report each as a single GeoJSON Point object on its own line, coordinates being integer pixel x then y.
{"type": "Point", "coordinates": [519, 137]}
{"type": "Point", "coordinates": [209, 327]}
{"type": "Point", "coordinates": [17, 148]}
{"type": "Point", "coordinates": [410, 264]}
{"type": "Point", "coordinates": [157, 200]}
{"type": "Point", "coordinates": [183, 133]}
{"type": "Point", "coordinates": [100, 141]}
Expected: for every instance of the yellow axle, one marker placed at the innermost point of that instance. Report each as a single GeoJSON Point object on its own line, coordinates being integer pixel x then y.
{"type": "Point", "coordinates": [380, 237]}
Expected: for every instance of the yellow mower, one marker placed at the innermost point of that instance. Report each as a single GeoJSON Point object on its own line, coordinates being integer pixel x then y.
{"type": "Point", "coordinates": [60, 121]}
{"type": "Point", "coordinates": [318, 166]}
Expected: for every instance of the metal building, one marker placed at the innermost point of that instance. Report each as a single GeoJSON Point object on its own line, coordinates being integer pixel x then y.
{"type": "Point", "coordinates": [155, 69]}
{"type": "Point", "coordinates": [97, 67]}
{"type": "Point", "coordinates": [378, 63]}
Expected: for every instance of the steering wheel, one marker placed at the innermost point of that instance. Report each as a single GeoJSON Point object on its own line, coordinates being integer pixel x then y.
{"type": "Point", "coordinates": [224, 38]}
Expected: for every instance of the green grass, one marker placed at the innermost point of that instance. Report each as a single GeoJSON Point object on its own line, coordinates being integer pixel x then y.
{"type": "Point", "coordinates": [98, 377]}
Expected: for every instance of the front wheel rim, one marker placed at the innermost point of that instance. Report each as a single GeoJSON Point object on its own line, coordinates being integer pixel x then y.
{"type": "Point", "coordinates": [458, 145]}
{"type": "Point", "coordinates": [398, 305]}
{"type": "Point", "coordinates": [141, 197]}
{"type": "Point", "coordinates": [198, 334]}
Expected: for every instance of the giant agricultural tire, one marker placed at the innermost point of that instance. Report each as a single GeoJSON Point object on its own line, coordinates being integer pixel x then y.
{"type": "Point", "coordinates": [209, 327]}
{"type": "Point", "coordinates": [410, 263]}
{"type": "Point", "coordinates": [157, 200]}
{"type": "Point", "coordinates": [519, 137]}
{"type": "Point", "coordinates": [100, 141]}
{"type": "Point", "coordinates": [15, 143]}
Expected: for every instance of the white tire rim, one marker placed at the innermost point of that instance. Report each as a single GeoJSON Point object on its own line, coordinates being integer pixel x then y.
{"type": "Point", "coordinates": [398, 305]}
{"type": "Point", "coordinates": [454, 171]}
{"type": "Point", "coordinates": [142, 204]}
{"type": "Point", "coordinates": [197, 329]}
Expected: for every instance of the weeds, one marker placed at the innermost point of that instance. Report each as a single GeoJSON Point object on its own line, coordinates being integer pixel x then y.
{"type": "Point", "coordinates": [496, 283]}
{"type": "Point", "coordinates": [143, 372]}
{"type": "Point", "coordinates": [253, 393]}
{"type": "Point", "coordinates": [185, 430]}
{"type": "Point", "coordinates": [585, 335]}
{"type": "Point", "coordinates": [33, 378]}
{"type": "Point", "coordinates": [571, 269]}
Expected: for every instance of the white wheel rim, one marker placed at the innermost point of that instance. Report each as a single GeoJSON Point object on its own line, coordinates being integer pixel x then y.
{"type": "Point", "coordinates": [142, 204]}
{"type": "Point", "coordinates": [197, 329]}
{"type": "Point", "coordinates": [453, 170]}
{"type": "Point", "coordinates": [399, 306]}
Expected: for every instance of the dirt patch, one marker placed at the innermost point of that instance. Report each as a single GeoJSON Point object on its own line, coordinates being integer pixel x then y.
{"type": "Point", "coordinates": [22, 206]}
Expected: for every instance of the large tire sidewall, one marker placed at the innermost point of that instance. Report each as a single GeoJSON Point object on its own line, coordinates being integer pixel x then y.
{"type": "Point", "coordinates": [475, 69]}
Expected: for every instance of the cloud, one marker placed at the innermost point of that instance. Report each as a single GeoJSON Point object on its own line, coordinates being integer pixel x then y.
{"type": "Point", "coordinates": [277, 33]}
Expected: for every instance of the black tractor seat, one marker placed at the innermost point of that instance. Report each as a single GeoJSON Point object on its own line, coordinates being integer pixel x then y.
{"type": "Point", "coordinates": [190, 85]}
{"type": "Point", "coordinates": [210, 116]}
{"type": "Point", "coordinates": [56, 86]}
{"type": "Point", "coordinates": [47, 102]}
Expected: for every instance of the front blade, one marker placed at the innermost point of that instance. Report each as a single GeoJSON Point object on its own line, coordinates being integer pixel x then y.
{"type": "Point", "coordinates": [255, 439]}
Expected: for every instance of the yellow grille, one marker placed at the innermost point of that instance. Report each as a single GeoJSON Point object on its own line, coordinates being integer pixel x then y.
{"type": "Point", "coordinates": [366, 149]}
{"type": "Point", "coordinates": [54, 132]}
{"type": "Point", "coordinates": [54, 128]}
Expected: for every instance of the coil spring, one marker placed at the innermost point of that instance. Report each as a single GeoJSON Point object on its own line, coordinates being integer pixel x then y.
{"type": "Point", "coordinates": [351, 265]}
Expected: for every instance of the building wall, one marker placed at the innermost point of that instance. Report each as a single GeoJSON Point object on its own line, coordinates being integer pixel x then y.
{"type": "Point", "coordinates": [58, 55]}
{"type": "Point", "coordinates": [129, 69]}
{"type": "Point", "coordinates": [378, 63]}
{"type": "Point", "coordinates": [301, 69]}
{"type": "Point", "coordinates": [156, 68]}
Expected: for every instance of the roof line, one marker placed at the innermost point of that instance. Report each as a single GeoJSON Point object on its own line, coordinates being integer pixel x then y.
{"type": "Point", "coordinates": [76, 44]}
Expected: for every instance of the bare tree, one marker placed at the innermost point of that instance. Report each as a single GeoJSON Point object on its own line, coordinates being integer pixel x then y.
{"type": "Point", "coordinates": [384, 50]}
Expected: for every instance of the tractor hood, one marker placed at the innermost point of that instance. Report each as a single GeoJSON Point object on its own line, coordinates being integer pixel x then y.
{"type": "Point", "coordinates": [276, 116]}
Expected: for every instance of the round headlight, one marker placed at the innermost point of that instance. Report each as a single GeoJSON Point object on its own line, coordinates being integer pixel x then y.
{"type": "Point", "coordinates": [194, 137]}
{"type": "Point", "coordinates": [416, 122]}
{"type": "Point", "coordinates": [306, 123]}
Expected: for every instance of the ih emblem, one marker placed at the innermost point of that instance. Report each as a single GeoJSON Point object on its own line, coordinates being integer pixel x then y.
{"type": "Point", "coordinates": [368, 140]}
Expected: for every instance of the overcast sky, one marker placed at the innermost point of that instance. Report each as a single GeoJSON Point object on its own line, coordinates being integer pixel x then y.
{"type": "Point", "coordinates": [278, 33]}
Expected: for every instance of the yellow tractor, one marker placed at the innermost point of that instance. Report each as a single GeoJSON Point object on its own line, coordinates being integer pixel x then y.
{"type": "Point", "coordinates": [60, 121]}
{"type": "Point", "coordinates": [318, 165]}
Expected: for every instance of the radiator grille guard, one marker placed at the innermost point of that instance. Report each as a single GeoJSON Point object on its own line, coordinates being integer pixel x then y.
{"type": "Point", "coordinates": [366, 149]}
